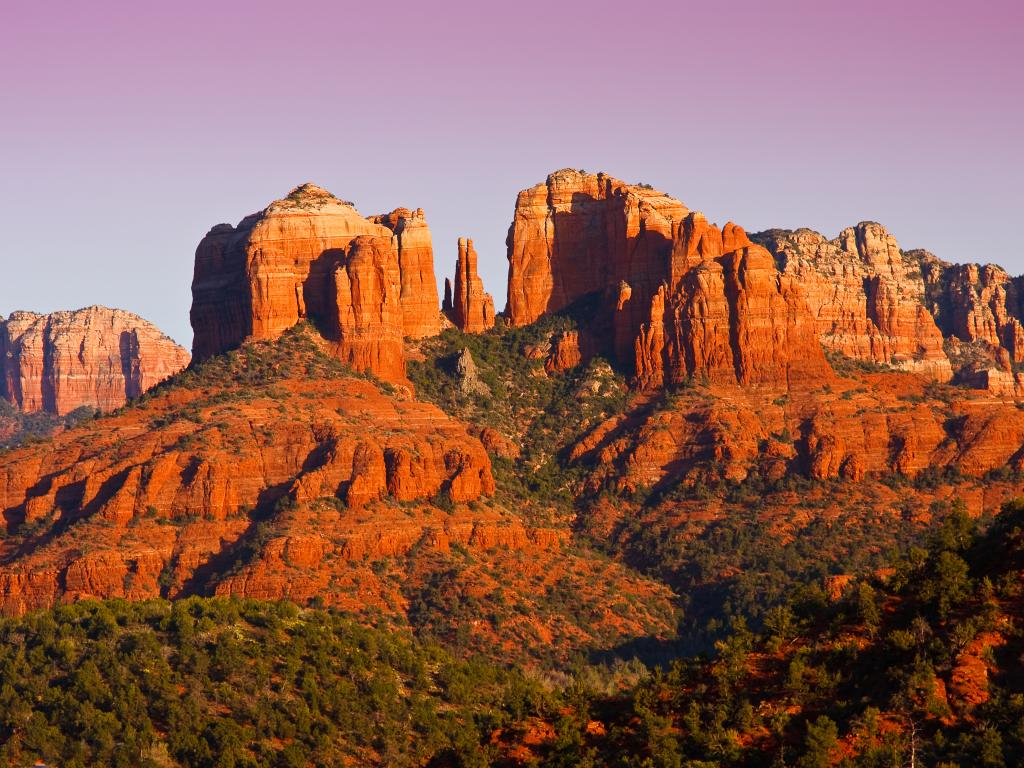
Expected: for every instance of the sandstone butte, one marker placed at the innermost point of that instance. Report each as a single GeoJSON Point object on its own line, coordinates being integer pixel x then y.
{"type": "Point", "coordinates": [289, 490]}
{"type": "Point", "coordinates": [283, 447]}
{"type": "Point", "coordinates": [907, 309]}
{"type": "Point", "coordinates": [364, 282]}
{"type": "Point", "coordinates": [678, 297]}
{"type": "Point", "coordinates": [95, 357]}
{"type": "Point", "coordinates": [468, 306]}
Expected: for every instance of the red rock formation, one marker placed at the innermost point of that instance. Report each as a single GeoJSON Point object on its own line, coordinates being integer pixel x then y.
{"type": "Point", "coordinates": [566, 352]}
{"type": "Point", "coordinates": [279, 266]}
{"type": "Point", "coordinates": [680, 297]}
{"type": "Point", "coordinates": [867, 297]}
{"type": "Point", "coordinates": [976, 303]}
{"type": "Point", "coordinates": [468, 306]}
{"type": "Point", "coordinates": [94, 357]}
{"type": "Point", "coordinates": [416, 267]}
{"type": "Point", "coordinates": [369, 309]}
{"type": "Point", "coordinates": [852, 429]}
{"type": "Point", "coordinates": [579, 233]}
{"type": "Point", "coordinates": [291, 447]}
{"type": "Point", "coordinates": [730, 318]}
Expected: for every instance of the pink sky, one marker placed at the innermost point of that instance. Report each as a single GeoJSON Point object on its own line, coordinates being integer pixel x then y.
{"type": "Point", "coordinates": [130, 128]}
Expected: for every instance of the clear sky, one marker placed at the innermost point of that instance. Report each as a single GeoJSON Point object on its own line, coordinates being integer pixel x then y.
{"type": "Point", "coordinates": [127, 129]}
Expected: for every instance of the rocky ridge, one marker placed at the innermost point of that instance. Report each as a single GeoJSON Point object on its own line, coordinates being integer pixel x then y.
{"type": "Point", "coordinates": [866, 296]}
{"type": "Point", "coordinates": [752, 362]}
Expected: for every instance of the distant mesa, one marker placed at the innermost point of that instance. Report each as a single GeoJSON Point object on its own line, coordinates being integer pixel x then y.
{"type": "Point", "coordinates": [365, 282]}
{"type": "Point", "coordinates": [94, 357]}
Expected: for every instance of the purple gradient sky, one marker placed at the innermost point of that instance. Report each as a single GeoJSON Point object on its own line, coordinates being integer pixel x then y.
{"type": "Point", "coordinates": [129, 128]}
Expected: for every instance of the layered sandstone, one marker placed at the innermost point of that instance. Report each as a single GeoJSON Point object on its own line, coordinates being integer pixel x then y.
{"type": "Point", "coordinates": [151, 491]}
{"type": "Point", "coordinates": [275, 473]}
{"type": "Point", "coordinates": [866, 296]}
{"type": "Point", "coordinates": [369, 309]}
{"type": "Point", "coordinates": [95, 357]}
{"type": "Point", "coordinates": [297, 260]}
{"type": "Point", "coordinates": [415, 250]}
{"type": "Point", "coordinates": [976, 304]}
{"type": "Point", "coordinates": [875, 425]}
{"type": "Point", "coordinates": [677, 297]}
{"type": "Point", "coordinates": [726, 315]}
{"type": "Point", "coordinates": [470, 308]}
{"type": "Point", "coordinates": [578, 233]}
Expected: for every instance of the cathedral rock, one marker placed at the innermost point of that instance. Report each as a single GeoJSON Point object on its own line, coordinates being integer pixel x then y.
{"type": "Point", "coordinates": [365, 283]}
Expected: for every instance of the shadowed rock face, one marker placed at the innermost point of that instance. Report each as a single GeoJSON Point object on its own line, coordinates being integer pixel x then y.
{"type": "Point", "coordinates": [874, 302]}
{"type": "Point", "coordinates": [678, 297]}
{"type": "Point", "coordinates": [282, 265]}
{"type": "Point", "coordinates": [95, 357]}
{"type": "Point", "coordinates": [976, 303]}
{"type": "Point", "coordinates": [577, 234]}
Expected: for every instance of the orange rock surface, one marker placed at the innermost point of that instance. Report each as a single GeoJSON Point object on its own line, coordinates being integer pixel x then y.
{"type": "Point", "coordinates": [173, 485]}
{"type": "Point", "coordinates": [369, 308]}
{"type": "Point", "coordinates": [678, 298]}
{"type": "Point", "coordinates": [579, 233]}
{"type": "Point", "coordinates": [94, 357]}
{"type": "Point", "coordinates": [274, 472]}
{"type": "Point", "coordinates": [565, 352]}
{"type": "Point", "coordinates": [868, 425]}
{"type": "Point", "coordinates": [866, 296]}
{"type": "Point", "coordinates": [281, 265]}
{"type": "Point", "coordinates": [976, 303]}
{"type": "Point", "coordinates": [416, 270]}
{"type": "Point", "coordinates": [470, 308]}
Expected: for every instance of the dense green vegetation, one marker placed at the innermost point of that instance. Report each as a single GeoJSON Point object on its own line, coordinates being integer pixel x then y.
{"type": "Point", "coordinates": [209, 682]}
{"type": "Point", "coordinates": [880, 671]}
{"type": "Point", "coordinates": [735, 568]}
{"type": "Point", "coordinates": [863, 682]}
{"type": "Point", "coordinates": [544, 414]}
{"type": "Point", "coordinates": [18, 428]}
{"type": "Point", "coordinates": [261, 364]}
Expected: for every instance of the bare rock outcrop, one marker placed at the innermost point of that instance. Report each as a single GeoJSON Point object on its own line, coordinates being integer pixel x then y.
{"type": "Point", "coordinates": [151, 493]}
{"type": "Point", "coordinates": [676, 296]}
{"type": "Point", "coordinates": [468, 306]}
{"type": "Point", "coordinates": [297, 260]}
{"type": "Point", "coordinates": [976, 304]}
{"type": "Point", "coordinates": [867, 297]}
{"type": "Point", "coordinates": [95, 357]}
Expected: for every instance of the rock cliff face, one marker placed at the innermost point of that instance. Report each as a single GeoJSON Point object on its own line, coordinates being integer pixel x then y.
{"type": "Point", "coordinates": [870, 425]}
{"type": "Point", "coordinates": [577, 234]}
{"type": "Point", "coordinates": [866, 296]}
{"type": "Point", "coordinates": [297, 259]}
{"type": "Point", "coordinates": [468, 306]}
{"type": "Point", "coordinates": [369, 309]}
{"type": "Point", "coordinates": [678, 297]}
{"type": "Point", "coordinates": [94, 357]}
{"type": "Point", "coordinates": [976, 304]}
{"type": "Point", "coordinates": [416, 271]}
{"type": "Point", "coordinates": [275, 473]}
